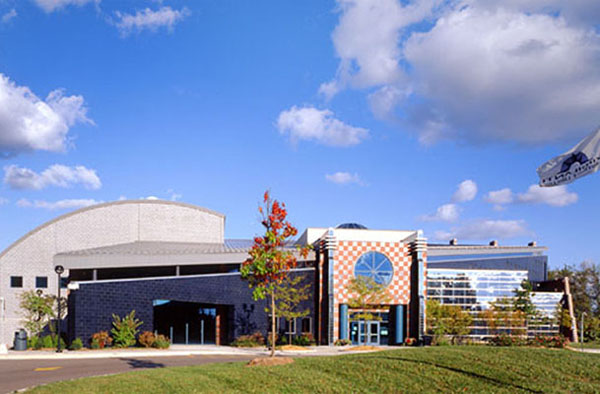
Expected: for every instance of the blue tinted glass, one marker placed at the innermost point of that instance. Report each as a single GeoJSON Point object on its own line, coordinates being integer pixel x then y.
{"type": "Point", "coordinates": [374, 265]}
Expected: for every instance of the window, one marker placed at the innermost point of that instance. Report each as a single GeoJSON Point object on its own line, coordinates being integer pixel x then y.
{"type": "Point", "coordinates": [16, 281]}
{"type": "Point", "coordinates": [64, 282]}
{"type": "Point", "coordinates": [306, 325]}
{"type": "Point", "coordinates": [290, 329]}
{"type": "Point", "coordinates": [41, 282]}
{"type": "Point", "coordinates": [269, 323]}
{"type": "Point", "coordinates": [376, 266]}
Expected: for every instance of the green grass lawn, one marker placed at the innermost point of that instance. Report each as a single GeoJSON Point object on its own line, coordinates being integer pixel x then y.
{"type": "Point", "coordinates": [586, 345]}
{"type": "Point", "coordinates": [432, 369]}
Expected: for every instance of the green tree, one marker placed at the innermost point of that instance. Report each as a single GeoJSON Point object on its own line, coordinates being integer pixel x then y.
{"type": "Point", "coordinates": [270, 261]}
{"type": "Point", "coordinates": [445, 320]}
{"type": "Point", "coordinates": [366, 295]}
{"type": "Point", "coordinates": [289, 294]}
{"type": "Point", "coordinates": [37, 310]}
{"type": "Point", "coordinates": [125, 330]}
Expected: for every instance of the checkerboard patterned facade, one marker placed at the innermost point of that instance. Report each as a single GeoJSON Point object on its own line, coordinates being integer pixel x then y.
{"type": "Point", "coordinates": [345, 257]}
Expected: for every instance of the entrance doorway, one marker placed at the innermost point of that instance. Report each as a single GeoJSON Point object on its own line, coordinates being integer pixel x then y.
{"type": "Point", "coordinates": [186, 322]}
{"type": "Point", "coordinates": [365, 333]}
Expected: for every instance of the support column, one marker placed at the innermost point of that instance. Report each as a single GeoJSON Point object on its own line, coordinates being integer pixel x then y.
{"type": "Point", "coordinates": [399, 324]}
{"type": "Point", "coordinates": [343, 321]}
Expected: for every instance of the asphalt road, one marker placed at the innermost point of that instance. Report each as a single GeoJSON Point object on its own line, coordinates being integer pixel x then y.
{"type": "Point", "coordinates": [20, 374]}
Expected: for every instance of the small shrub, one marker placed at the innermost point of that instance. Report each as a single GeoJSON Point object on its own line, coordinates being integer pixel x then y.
{"type": "Point", "coordinates": [507, 340]}
{"type": "Point", "coordinates": [125, 329]}
{"type": "Point", "coordinates": [38, 344]}
{"type": "Point", "coordinates": [100, 340]}
{"type": "Point", "coordinates": [441, 340]}
{"type": "Point", "coordinates": [32, 342]}
{"type": "Point", "coordinates": [304, 340]}
{"type": "Point", "coordinates": [48, 342]}
{"type": "Point", "coordinates": [254, 340]}
{"type": "Point", "coordinates": [410, 341]}
{"type": "Point", "coordinates": [161, 342]}
{"type": "Point", "coordinates": [147, 338]}
{"type": "Point", "coordinates": [554, 341]}
{"type": "Point", "coordinates": [342, 342]}
{"type": "Point", "coordinates": [77, 344]}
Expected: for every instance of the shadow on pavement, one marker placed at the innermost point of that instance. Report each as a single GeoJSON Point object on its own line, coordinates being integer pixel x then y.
{"type": "Point", "coordinates": [136, 363]}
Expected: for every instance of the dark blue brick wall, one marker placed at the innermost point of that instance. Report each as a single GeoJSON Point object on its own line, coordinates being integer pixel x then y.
{"type": "Point", "coordinates": [92, 305]}
{"type": "Point", "coordinates": [536, 266]}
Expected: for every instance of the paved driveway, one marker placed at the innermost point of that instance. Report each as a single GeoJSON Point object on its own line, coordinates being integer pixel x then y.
{"type": "Point", "coordinates": [19, 374]}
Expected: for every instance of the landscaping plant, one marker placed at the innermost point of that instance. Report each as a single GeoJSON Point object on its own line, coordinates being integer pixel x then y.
{"type": "Point", "coordinates": [77, 344]}
{"type": "Point", "coordinates": [161, 342]}
{"type": "Point", "coordinates": [254, 340]}
{"type": "Point", "coordinates": [147, 339]}
{"type": "Point", "coordinates": [100, 340]}
{"type": "Point", "coordinates": [269, 262]}
{"type": "Point", "coordinates": [125, 329]}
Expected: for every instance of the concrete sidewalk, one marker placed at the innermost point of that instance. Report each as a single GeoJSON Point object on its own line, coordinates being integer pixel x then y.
{"type": "Point", "coordinates": [175, 350]}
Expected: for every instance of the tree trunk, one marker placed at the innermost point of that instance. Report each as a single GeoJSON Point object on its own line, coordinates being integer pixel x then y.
{"type": "Point", "coordinates": [290, 332]}
{"type": "Point", "coordinates": [273, 335]}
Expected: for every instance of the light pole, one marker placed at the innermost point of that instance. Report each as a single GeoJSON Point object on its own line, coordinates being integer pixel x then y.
{"type": "Point", "coordinates": [581, 330]}
{"type": "Point", "coordinates": [59, 269]}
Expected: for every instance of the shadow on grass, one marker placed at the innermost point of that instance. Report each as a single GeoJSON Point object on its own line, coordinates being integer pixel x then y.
{"type": "Point", "coordinates": [137, 364]}
{"type": "Point", "coordinates": [463, 372]}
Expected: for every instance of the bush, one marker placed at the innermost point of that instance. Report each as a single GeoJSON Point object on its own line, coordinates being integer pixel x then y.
{"type": "Point", "coordinates": [147, 338]}
{"type": "Point", "coordinates": [77, 344]}
{"type": "Point", "coordinates": [410, 341]}
{"type": "Point", "coordinates": [125, 330]}
{"type": "Point", "coordinates": [342, 342]}
{"type": "Point", "coordinates": [304, 340]}
{"type": "Point", "coordinates": [100, 340]}
{"type": "Point", "coordinates": [32, 342]}
{"type": "Point", "coordinates": [161, 342]}
{"type": "Point", "coordinates": [48, 342]}
{"type": "Point", "coordinates": [254, 340]}
{"type": "Point", "coordinates": [555, 341]}
{"type": "Point", "coordinates": [507, 340]}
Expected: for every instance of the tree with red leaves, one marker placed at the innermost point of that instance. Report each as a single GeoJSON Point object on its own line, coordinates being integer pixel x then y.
{"type": "Point", "coordinates": [270, 260]}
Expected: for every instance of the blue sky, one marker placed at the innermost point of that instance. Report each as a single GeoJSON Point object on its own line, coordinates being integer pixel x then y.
{"type": "Point", "coordinates": [397, 115]}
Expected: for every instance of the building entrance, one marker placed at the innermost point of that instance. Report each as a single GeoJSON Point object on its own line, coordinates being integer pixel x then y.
{"type": "Point", "coordinates": [186, 322]}
{"type": "Point", "coordinates": [365, 333]}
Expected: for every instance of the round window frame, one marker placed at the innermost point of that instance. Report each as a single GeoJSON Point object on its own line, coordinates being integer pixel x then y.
{"type": "Point", "coordinates": [387, 259]}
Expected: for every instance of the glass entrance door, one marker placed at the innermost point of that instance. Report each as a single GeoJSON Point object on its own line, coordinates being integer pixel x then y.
{"type": "Point", "coordinates": [365, 333]}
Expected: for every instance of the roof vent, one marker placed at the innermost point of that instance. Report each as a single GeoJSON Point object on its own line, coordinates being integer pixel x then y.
{"type": "Point", "coordinates": [493, 243]}
{"type": "Point", "coordinates": [454, 242]}
{"type": "Point", "coordinates": [533, 244]}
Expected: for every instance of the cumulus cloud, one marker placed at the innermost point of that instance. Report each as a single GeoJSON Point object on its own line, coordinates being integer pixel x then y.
{"type": "Point", "coordinates": [7, 17]}
{"type": "Point", "coordinates": [533, 66]}
{"type": "Point", "coordinates": [312, 124]}
{"type": "Point", "coordinates": [28, 123]}
{"type": "Point", "coordinates": [466, 191]}
{"type": "Point", "coordinates": [344, 178]}
{"type": "Point", "coordinates": [57, 205]}
{"type": "Point", "coordinates": [485, 229]}
{"type": "Point", "coordinates": [444, 213]}
{"type": "Point", "coordinates": [557, 196]}
{"type": "Point", "coordinates": [53, 5]}
{"type": "Point", "coordinates": [499, 198]}
{"type": "Point", "coordinates": [148, 19]}
{"type": "Point", "coordinates": [56, 175]}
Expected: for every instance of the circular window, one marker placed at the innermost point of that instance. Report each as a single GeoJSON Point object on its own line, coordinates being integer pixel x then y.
{"type": "Point", "coordinates": [376, 266]}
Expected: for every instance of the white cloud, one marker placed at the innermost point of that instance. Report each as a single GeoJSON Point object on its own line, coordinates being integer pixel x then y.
{"type": "Point", "coordinates": [486, 229]}
{"type": "Point", "coordinates": [499, 198]}
{"type": "Point", "coordinates": [56, 175]}
{"type": "Point", "coordinates": [344, 178]}
{"type": "Point", "coordinates": [3, 201]}
{"type": "Point", "coordinates": [444, 213]}
{"type": "Point", "coordinates": [148, 19]}
{"type": "Point", "coordinates": [152, 198]}
{"type": "Point", "coordinates": [28, 123]}
{"type": "Point", "coordinates": [466, 191]}
{"type": "Point", "coordinates": [557, 196]}
{"type": "Point", "coordinates": [7, 17]}
{"type": "Point", "coordinates": [57, 205]}
{"type": "Point", "coordinates": [478, 70]}
{"type": "Point", "coordinates": [309, 123]}
{"type": "Point", "coordinates": [173, 195]}
{"type": "Point", "coordinates": [53, 5]}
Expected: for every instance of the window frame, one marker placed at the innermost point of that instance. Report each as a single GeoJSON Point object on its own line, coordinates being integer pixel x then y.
{"type": "Point", "coordinates": [12, 283]}
{"type": "Point", "coordinates": [44, 278]}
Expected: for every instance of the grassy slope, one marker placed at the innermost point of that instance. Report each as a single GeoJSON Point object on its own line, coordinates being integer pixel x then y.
{"type": "Point", "coordinates": [441, 369]}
